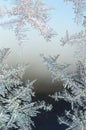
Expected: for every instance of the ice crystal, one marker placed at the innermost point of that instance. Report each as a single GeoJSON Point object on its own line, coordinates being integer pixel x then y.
{"type": "Point", "coordinates": [57, 70]}
{"type": "Point", "coordinates": [74, 84]}
{"type": "Point", "coordinates": [16, 105]}
{"type": "Point", "coordinates": [25, 12]}
{"type": "Point", "coordinates": [78, 40]}
{"type": "Point", "coordinates": [79, 9]}
{"type": "Point", "coordinates": [74, 92]}
{"type": "Point", "coordinates": [74, 125]}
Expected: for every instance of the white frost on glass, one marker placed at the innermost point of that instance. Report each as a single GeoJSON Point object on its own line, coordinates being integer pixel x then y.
{"type": "Point", "coordinates": [16, 105]}
{"type": "Point", "coordinates": [79, 7]}
{"type": "Point", "coordinates": [24, 13]}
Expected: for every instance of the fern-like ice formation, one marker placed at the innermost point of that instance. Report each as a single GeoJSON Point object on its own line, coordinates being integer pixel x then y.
{"type": "Point", "coordinates": [58, 71]}
{"type": "Point", "coordinates": [16, 105]}
{"type": "Point", "coordinates": [24, 12]}
{"type": "Point", "coordinates": [78, 40]}
{"type": "Point", "coordinates": [74, 84]}
{"type": "Point", "coordinates": [73, 92]}
{"type": "Point", "coordinates": [79, 9]}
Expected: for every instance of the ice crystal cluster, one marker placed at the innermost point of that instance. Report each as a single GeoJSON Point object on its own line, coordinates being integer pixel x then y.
{"type": "Point", "coordinates": [24, 13]}
{"type": "Point", "coordinates": [73, 92]}
{"type": "Point", "coordinates": [77, 39]}
{"type": "Point", "coordinates": [74, 84]}
{"type": "Point", "coordinates": [16, 105]}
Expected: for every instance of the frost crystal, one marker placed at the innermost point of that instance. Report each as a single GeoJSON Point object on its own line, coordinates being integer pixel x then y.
{"type": "Point", "coordinates": [26, 12]}
{"type": "Point", "coordinates": [74, 92]}
{"type": "Point", "coordinates": [16, 105]}
{"type": "Point", "coordinates": [57, 71]}
{"type": "Point", "coordinates": [78, 40]}
{"type": "Point", "coordinates": [79, 9]}
{"type": "Point", "coordinates": [80, 37]}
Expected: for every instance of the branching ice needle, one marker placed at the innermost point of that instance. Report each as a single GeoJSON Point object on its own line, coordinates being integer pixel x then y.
{"type": "Point", "coordinates": [25, 13]}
